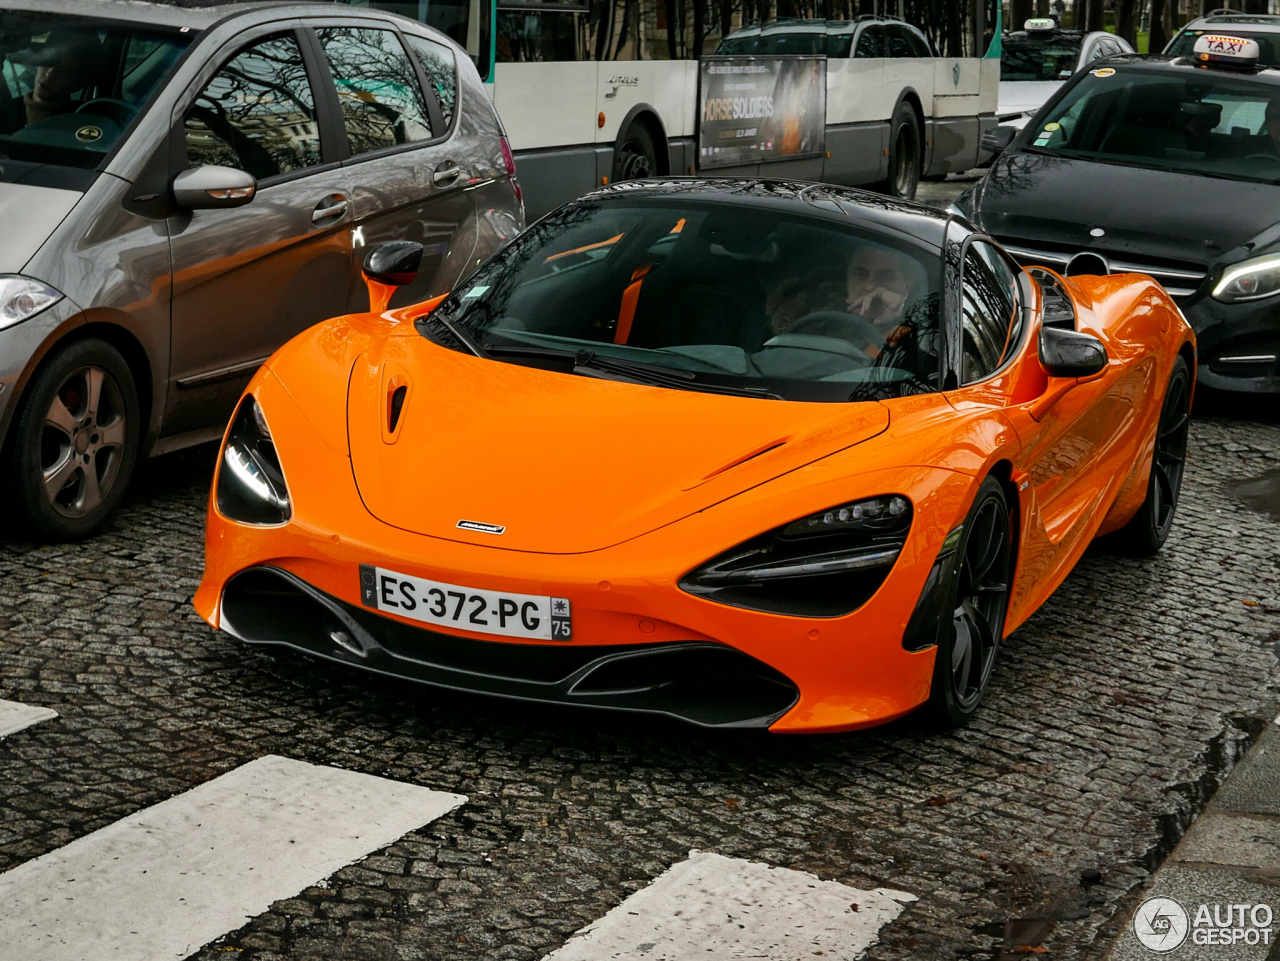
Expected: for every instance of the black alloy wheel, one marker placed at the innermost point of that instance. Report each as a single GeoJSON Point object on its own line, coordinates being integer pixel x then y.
{"type": "Point", "coordinates": [1146, 533]}
{"type": "Point", "coordinates": [636, 158]}
{"type": "Point", "coordinates": [904, 155]}
{"type": "Point", "coordinates": [980, 600]}
{"type": "Point", "coordinates": [75, 441]}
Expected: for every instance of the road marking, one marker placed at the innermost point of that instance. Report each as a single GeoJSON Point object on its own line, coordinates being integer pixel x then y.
{"type": "Point", "coordinates": [161, 883]}
{"type": "Point", "coordinates": [711, 906]}
{"type": "Point", "coordinates": [14, 716]}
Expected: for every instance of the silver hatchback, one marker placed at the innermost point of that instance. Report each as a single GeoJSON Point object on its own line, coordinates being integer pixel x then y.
{"type": "Point", "coordinates": [183, 190]}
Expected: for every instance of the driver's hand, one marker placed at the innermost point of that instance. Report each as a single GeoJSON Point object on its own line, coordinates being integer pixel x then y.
{"type": "Point", "coordinates": [877, 304]}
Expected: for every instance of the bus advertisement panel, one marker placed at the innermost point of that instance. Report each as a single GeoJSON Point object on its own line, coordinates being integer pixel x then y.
{"type": "Point", "coordinates": [755, 109]}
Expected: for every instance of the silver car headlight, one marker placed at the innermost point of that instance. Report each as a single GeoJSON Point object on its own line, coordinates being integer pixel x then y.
{"type": "Point", "coordinates": [22, 297]}
{"type": "Point", "coordinates": [1250, 280]}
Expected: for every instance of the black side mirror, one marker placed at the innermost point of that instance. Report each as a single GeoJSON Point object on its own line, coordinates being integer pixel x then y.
{"type": "Point", "coordinates": [394, 263]}
{"type": "Point", "coordinates": [996, 139]}
{"type": "Point", "coordinates": [1069, 353]}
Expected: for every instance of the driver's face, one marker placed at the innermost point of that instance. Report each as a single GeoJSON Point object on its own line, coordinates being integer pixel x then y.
{"type": "Point", "coordinates": [878, 284]}
{"type": "Point", "coordinates": [58, 81]}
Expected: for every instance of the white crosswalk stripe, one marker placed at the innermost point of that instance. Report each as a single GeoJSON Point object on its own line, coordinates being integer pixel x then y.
{"type": "Point", "coordinates": [161, 883]}
{"type": "Point", "coordinates": [711, 906]}
{"type": "Point", "coordinates": [14, 716]}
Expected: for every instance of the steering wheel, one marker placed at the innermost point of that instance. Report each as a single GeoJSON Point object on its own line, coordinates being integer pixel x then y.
{"type": "Point", "coordinates": [120, 111]}
{"type": "Point", "coordinates": [838, 323]}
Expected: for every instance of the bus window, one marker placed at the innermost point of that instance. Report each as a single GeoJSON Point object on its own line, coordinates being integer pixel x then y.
{"type": "Point", "coordinates": [465, 22]}
{"type": "Point", "coordinates": [529, 35]}
{"type": "Point", "coordinates": [869, 42]}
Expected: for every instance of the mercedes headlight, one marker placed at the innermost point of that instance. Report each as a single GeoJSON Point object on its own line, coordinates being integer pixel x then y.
{"type": "Point", "coordinates": [251, 487]}
{"type": "Point", "coordinates": [1251, 280]}
{"type": "Point", "coordinates": [824, 565]}
{"type": "Point", "coordinates": [22, 297]}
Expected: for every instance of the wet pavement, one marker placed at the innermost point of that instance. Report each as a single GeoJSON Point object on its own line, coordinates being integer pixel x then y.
{"type": "Point", "coordinates": [1115, 713]}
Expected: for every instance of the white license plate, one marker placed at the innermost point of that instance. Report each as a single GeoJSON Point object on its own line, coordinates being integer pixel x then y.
{"type": "Point", "coordinates": [469, 608]}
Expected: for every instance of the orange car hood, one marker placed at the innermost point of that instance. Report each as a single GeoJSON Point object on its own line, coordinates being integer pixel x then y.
{"type": "Point", "coordinates": [566, 464]}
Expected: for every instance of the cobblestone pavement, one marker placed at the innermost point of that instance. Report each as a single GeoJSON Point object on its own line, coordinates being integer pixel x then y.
{"type": "Point", "coordinates": [1113, 712]}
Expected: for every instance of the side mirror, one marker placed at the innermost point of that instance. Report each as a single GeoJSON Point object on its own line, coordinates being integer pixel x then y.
{"type": "Point", "coordinates": [997, 139]}
{"type": "Point", "coordinates": [1069, 353]}
{"type": "Point", "coordinates": [388, 266]}
{"type": "Point", "coordinates": [210, 187]}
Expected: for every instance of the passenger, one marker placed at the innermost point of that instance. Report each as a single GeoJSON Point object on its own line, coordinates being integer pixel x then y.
{"type": "Point", "coordinates": [65, 64]}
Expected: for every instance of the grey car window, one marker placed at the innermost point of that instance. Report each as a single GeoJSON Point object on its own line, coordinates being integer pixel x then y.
{"type": "Point", "coordinates": [868, 43]}
{"type": "Point", "coordinates": [257, 113]}
{"type": "Point", "coordinates": [382, 102]}
{"type": "Point", "coordinates": [437, 63]}
{"type": "Point", "coordinates": [988, 311]}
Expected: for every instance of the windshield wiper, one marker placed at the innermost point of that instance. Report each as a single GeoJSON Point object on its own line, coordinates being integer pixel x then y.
{"type": "Point", "coordinates": [592, 364]}
{"type": "Point", "coordinates": [466, 340]}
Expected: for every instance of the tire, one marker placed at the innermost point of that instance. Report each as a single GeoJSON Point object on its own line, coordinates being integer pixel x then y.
{"type": "Point", "coordinates": [905, 155]}
{"type": "Point", "coordinates": [979, 602]}
{"type": "Point", "coordinates": [635, 158]}
{"type": "Point", "coordinates": [1147, 531]}
{"type": "Point", "coordinates": [75, 442]}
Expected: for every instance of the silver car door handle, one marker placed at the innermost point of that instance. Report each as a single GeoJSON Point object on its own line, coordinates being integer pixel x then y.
{"type": "Point", "coordinates": [446, 173]}
{"type": "Point", "coordinates": [329, 211]}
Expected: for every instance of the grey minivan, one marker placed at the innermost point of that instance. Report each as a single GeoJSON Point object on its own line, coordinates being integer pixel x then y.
{"type": "Point", "coordinates": [183, 190]}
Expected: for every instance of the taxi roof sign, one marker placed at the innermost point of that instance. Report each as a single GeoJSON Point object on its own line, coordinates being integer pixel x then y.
{"type": "Point", "coordinates": [1040, 23]}
{"type": "Point", "coordinates": [1226, 51]}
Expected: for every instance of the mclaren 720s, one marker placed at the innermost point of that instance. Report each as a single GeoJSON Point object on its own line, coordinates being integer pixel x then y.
{"type": "Point", "coordinates": [743, 453]}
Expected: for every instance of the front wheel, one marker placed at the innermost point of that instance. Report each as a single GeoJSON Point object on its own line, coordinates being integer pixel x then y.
{"type": "Point", "coordinates": [75, 441]}
{"type": "Point", "coordinates": [980, 598]}
{"type": "Point", "coordinates": [1146, 533]}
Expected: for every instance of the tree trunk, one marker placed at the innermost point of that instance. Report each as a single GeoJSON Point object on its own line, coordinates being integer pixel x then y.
{"type": "Point", "coordinates": [1255, 6]}
{"type": "Point", "coordinates": [1019, 13]}
{"type": "Point", "coordinates": [1158, 37]}
{"type": "Point", "coordinates": [1127, 21]}
{"type": "Point", "coordinates": [1093, 20]}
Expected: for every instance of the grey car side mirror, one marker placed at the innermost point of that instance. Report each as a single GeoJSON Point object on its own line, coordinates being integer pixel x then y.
{"type": "Point", "coordinates": [210, 187]}
{"type": "Point", "coordinates": [1069, 353]}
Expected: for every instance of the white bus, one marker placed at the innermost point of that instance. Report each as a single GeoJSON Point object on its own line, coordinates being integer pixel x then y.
{"type": "Point", "coordinates": [594, 91]}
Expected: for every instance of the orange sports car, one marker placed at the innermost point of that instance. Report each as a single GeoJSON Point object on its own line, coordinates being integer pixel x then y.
{"type": "Point", "coordinates": [744, 453]}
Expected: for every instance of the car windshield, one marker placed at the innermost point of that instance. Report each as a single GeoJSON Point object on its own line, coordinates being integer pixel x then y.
{"type": "Point", "coordinates": [1192, 120]}
{"type": "Point", "coordinates": [1267, 43]}
{"type": "Point", "coordinates": [69, 86]}
{"type": "Point", "coordinates": [1035, 57]}
{"type": "Point", "coordinates": [720, 297]}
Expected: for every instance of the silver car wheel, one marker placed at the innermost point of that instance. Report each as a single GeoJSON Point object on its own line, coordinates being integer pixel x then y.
{"type": "Point", "coordinates": [82, 442]}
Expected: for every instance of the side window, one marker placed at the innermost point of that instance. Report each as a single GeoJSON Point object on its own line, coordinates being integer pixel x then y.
{"type": "Point", "coordinates": [918, 44]}
{"type": "Point", "coordinates": [437, 63]}
{"type": "Point", "coordinates": [382, 102]}
{"type": "Point", "coordinates": [897, 42]}
{"type": "Point", "coordinates": [258, 113]}
{"type": "Point", "coordinates": [990, 319]}
{"type": "Point", "coordinates": [868, 43]}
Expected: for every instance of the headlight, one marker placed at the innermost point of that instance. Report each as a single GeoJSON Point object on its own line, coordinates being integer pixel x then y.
{"type": "Point", "coordinates": [22, 297]}
{"type": "Point", "coordinates": [824, 565]}
{"type": "Point", "coordinates": [1251, 280]}
{"type": "Point", "coordinates": [251, 487]}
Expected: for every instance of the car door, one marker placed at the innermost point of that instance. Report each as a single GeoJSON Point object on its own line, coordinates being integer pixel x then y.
{"type": "Point", "coordinates": [1067, 444]}
{"type": "Point", "coordinates": [247, 279]}
{"type": "Point", "coordinates": [406, 163]}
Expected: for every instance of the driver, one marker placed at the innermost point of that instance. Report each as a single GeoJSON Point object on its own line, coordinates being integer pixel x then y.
{"type": "Point", "coordinates": [1271, 124]}
{"type": "Point", "coordinates": [65, 64]}
{"type": "Point", "coordinates": [880, 284]}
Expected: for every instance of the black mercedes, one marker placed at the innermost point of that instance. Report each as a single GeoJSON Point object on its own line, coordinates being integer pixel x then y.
{"type": "Point", "coordinates": [1162, 166]}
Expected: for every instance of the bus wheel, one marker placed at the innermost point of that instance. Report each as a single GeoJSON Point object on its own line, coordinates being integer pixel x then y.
{"type": "Point", "coordinates": [904, 155]}
{"type": "Point", "coordinates": [636, 159]}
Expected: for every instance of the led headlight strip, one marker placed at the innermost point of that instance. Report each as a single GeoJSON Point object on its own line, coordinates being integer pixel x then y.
{"type": "Point", "coordinates": [251, 486]}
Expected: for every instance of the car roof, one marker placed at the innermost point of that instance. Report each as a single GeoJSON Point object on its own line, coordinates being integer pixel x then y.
{"type": "Point", "coordinates": [196, 14]}
{"type": "Point", "coordinates": [1154, 63]}
{"type": "Point", "coordinates": [1256, 23]}
{"type": "Point", "coordinates": [824, 201]}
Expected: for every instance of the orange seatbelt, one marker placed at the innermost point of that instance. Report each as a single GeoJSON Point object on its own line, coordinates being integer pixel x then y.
{"type": "Point", "coordinates": [630, 297]}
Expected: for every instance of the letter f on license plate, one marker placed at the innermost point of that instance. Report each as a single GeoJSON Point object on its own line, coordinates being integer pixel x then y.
{"type": "Point", "coordinates": [468, 608]}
